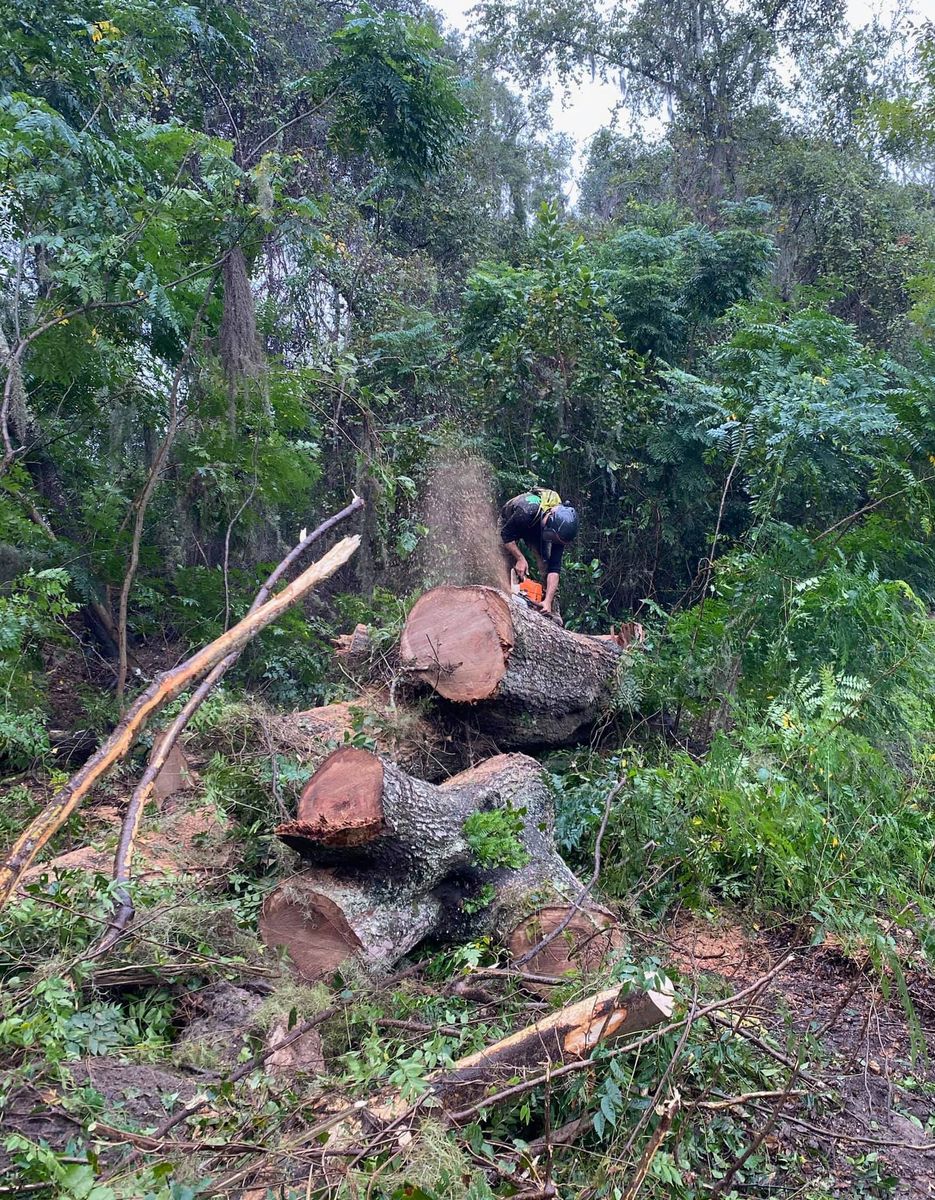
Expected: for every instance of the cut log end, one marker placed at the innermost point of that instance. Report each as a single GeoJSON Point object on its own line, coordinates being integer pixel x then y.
{"type": "Point", "coordinates": [311, 928]}
{"type": "Point", "coordinates": [583, 946]}
{"type": "Point", "coordinates": [458, 640]}
{"type": "Point", "coordinates": [342, 804]}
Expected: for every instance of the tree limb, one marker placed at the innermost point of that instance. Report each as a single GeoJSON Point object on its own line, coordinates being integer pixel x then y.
{"type": "Point", "coordinates": [160, 692]}
{"type": "Point", "coordinates": [125, 849]}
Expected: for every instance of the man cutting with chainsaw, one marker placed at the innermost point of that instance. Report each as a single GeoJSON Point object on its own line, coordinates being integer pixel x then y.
{"type": "Point", "coordinates": [546, 525]}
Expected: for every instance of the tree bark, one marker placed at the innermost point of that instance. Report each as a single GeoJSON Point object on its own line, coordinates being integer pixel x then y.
{"type": "Point", "coordinates": [531, 683]}
{"type": "Point", "coordinates": [323, 920]}
{"type": "Point", "coordinates": [401, 841]}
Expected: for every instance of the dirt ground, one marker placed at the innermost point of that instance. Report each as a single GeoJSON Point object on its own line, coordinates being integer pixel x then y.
{"type": "Point", "coordinates": [878, 1090]}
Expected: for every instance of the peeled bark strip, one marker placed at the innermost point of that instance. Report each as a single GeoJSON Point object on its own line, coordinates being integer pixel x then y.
{"type": "Point", "coordinates": [532, 683]}
{"type": "Point", "coordinates": [354, 648]}
{"type": "Point", "coordinates": [323, 921]}
{"type": "Point", "coordinates": [401, 841]}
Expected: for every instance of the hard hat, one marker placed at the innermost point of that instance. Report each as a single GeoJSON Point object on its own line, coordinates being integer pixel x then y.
{"type": "Point", "coordinates": [563, 522]}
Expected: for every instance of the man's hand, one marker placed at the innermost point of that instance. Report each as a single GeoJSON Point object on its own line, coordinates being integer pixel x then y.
{"type": "Point", "coordinates": [521, 567]}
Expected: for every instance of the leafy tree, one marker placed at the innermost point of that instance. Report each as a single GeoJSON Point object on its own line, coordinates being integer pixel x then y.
{"type": "Point", "coordinates": [710, 63]}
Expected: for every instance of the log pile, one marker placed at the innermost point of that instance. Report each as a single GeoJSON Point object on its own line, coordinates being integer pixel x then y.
{"type": "Point", "coordinates": [389, 865]}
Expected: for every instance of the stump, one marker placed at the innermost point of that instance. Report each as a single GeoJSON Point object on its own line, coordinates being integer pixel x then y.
{"type": "Point", "coordinates": [391, 865]}
{"type": "Point", "coordinates": [531, 682]}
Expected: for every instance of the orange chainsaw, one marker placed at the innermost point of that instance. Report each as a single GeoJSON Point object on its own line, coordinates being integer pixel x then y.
{"type": "Point", "coordinates": [528, 589]}
{"type": "Point", "coordinates": [532, 592]}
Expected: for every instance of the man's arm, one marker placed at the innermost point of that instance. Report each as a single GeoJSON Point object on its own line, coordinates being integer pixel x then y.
{"type": "Point", "coordinates": [551, 590]}
{"type": "Point", "coordinates": [511, 528]}
{"type": "Point", "coordinates": [520, 565]}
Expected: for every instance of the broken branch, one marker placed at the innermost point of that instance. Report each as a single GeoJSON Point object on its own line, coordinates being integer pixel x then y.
{"type": "Point", "coordinates": [165, 688]}
{"type": "Point", "coordinates": [160, 753]}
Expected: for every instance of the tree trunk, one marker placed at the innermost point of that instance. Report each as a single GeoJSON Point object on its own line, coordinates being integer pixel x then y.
{"type": "Point", "coordinates": [531, 682]}
{"type": "Point", "coordinates": [394, 848]}
{"type": "Point", "coordinates": [324, 920]}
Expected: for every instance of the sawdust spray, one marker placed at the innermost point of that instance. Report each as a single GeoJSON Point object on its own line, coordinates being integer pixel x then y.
{"type": "Point", "coordinates": [462, 545]}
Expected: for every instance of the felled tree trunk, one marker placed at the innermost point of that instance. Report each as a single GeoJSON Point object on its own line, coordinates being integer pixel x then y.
{"type": "Point", "coordinates": [532, 683]}
{"type": "Point", "coordinates": [391, 853]}
{"type": "Point", "coordinates": [323, 920]}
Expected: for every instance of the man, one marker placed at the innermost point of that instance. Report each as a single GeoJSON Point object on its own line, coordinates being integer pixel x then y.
{"type": "Point", "coordinates": [540, 519]}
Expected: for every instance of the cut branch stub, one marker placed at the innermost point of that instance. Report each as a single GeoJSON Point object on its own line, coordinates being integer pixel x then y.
{"type": "Point", "coordinates": [532, 682]}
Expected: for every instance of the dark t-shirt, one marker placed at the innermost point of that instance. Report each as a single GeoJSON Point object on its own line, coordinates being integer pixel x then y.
{"type": "Point", "coordinates": [521, 520]}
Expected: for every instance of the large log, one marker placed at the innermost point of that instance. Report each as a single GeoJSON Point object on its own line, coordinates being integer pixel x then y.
{"type": "Point", "coordinates": [324, 920]}
{"type": "Point", "coordinates": [531, 682]}
{"type": "Point", "coordinates": [390, 853]}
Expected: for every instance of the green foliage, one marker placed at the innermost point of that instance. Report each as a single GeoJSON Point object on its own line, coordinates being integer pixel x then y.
{"type": "Point", "coordinates": [395, 91]}
{"type": "Point", "coordinates": [494, 838]}
{"type": "Point", "coordinates": [32, 614]}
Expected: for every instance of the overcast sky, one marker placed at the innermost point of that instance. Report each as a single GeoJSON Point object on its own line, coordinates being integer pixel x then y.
{"type": "Point", "coordinates": [588, 106]}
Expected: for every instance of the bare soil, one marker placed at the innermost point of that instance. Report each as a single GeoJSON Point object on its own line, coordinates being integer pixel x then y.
{"type": "Point", "coordinates": [879, 1097]}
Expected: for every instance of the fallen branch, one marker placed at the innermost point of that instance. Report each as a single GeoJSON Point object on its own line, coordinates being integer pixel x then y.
{"type": "Point", "coordinates": [246, 1068]}
{"type": "Point", "coordinates": [164, 689]}
{"type": "Point", "coordinates": [584, 1064]}
{"type": "Point", "coordinates": [834, 1135]}
{"type": "Point", "coordinates": [759, 1138]}
{"type": "Point", "coordinates": [567, 1036]}
{"type": "Point", "coordinates": [163, 748]}
{"type": "Point", "coordinates": [739, 1101]}
{"type": "Point", "coordinates": [667, 1116]}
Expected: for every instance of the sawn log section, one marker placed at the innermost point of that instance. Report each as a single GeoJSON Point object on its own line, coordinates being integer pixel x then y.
{"type": "Point", "coordinates": [531, 682]}
{"type": "Point", "coordinates": [389, 865]}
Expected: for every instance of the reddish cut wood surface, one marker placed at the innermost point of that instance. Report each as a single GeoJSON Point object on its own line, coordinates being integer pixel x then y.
{"type": "Point", "coordinates": [459, 640]}
{"type": "Point", "coordinates": [582, 946]}
{"type": "Point", "coordinates": [342, 804]}
{"type": "Point", "coordinates": [311, 928]}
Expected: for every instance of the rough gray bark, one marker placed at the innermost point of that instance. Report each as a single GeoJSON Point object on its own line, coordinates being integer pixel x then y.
{"type": "Point", "coordinates": [398, 843]}
{"type": "Point", "coordinates": [323, 920]}
{"type": "Point", "coordinates": [531, 682]}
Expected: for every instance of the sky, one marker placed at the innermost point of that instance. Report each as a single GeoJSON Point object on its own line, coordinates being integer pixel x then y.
{"type": "Point", "coordinates": [588, 105]}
